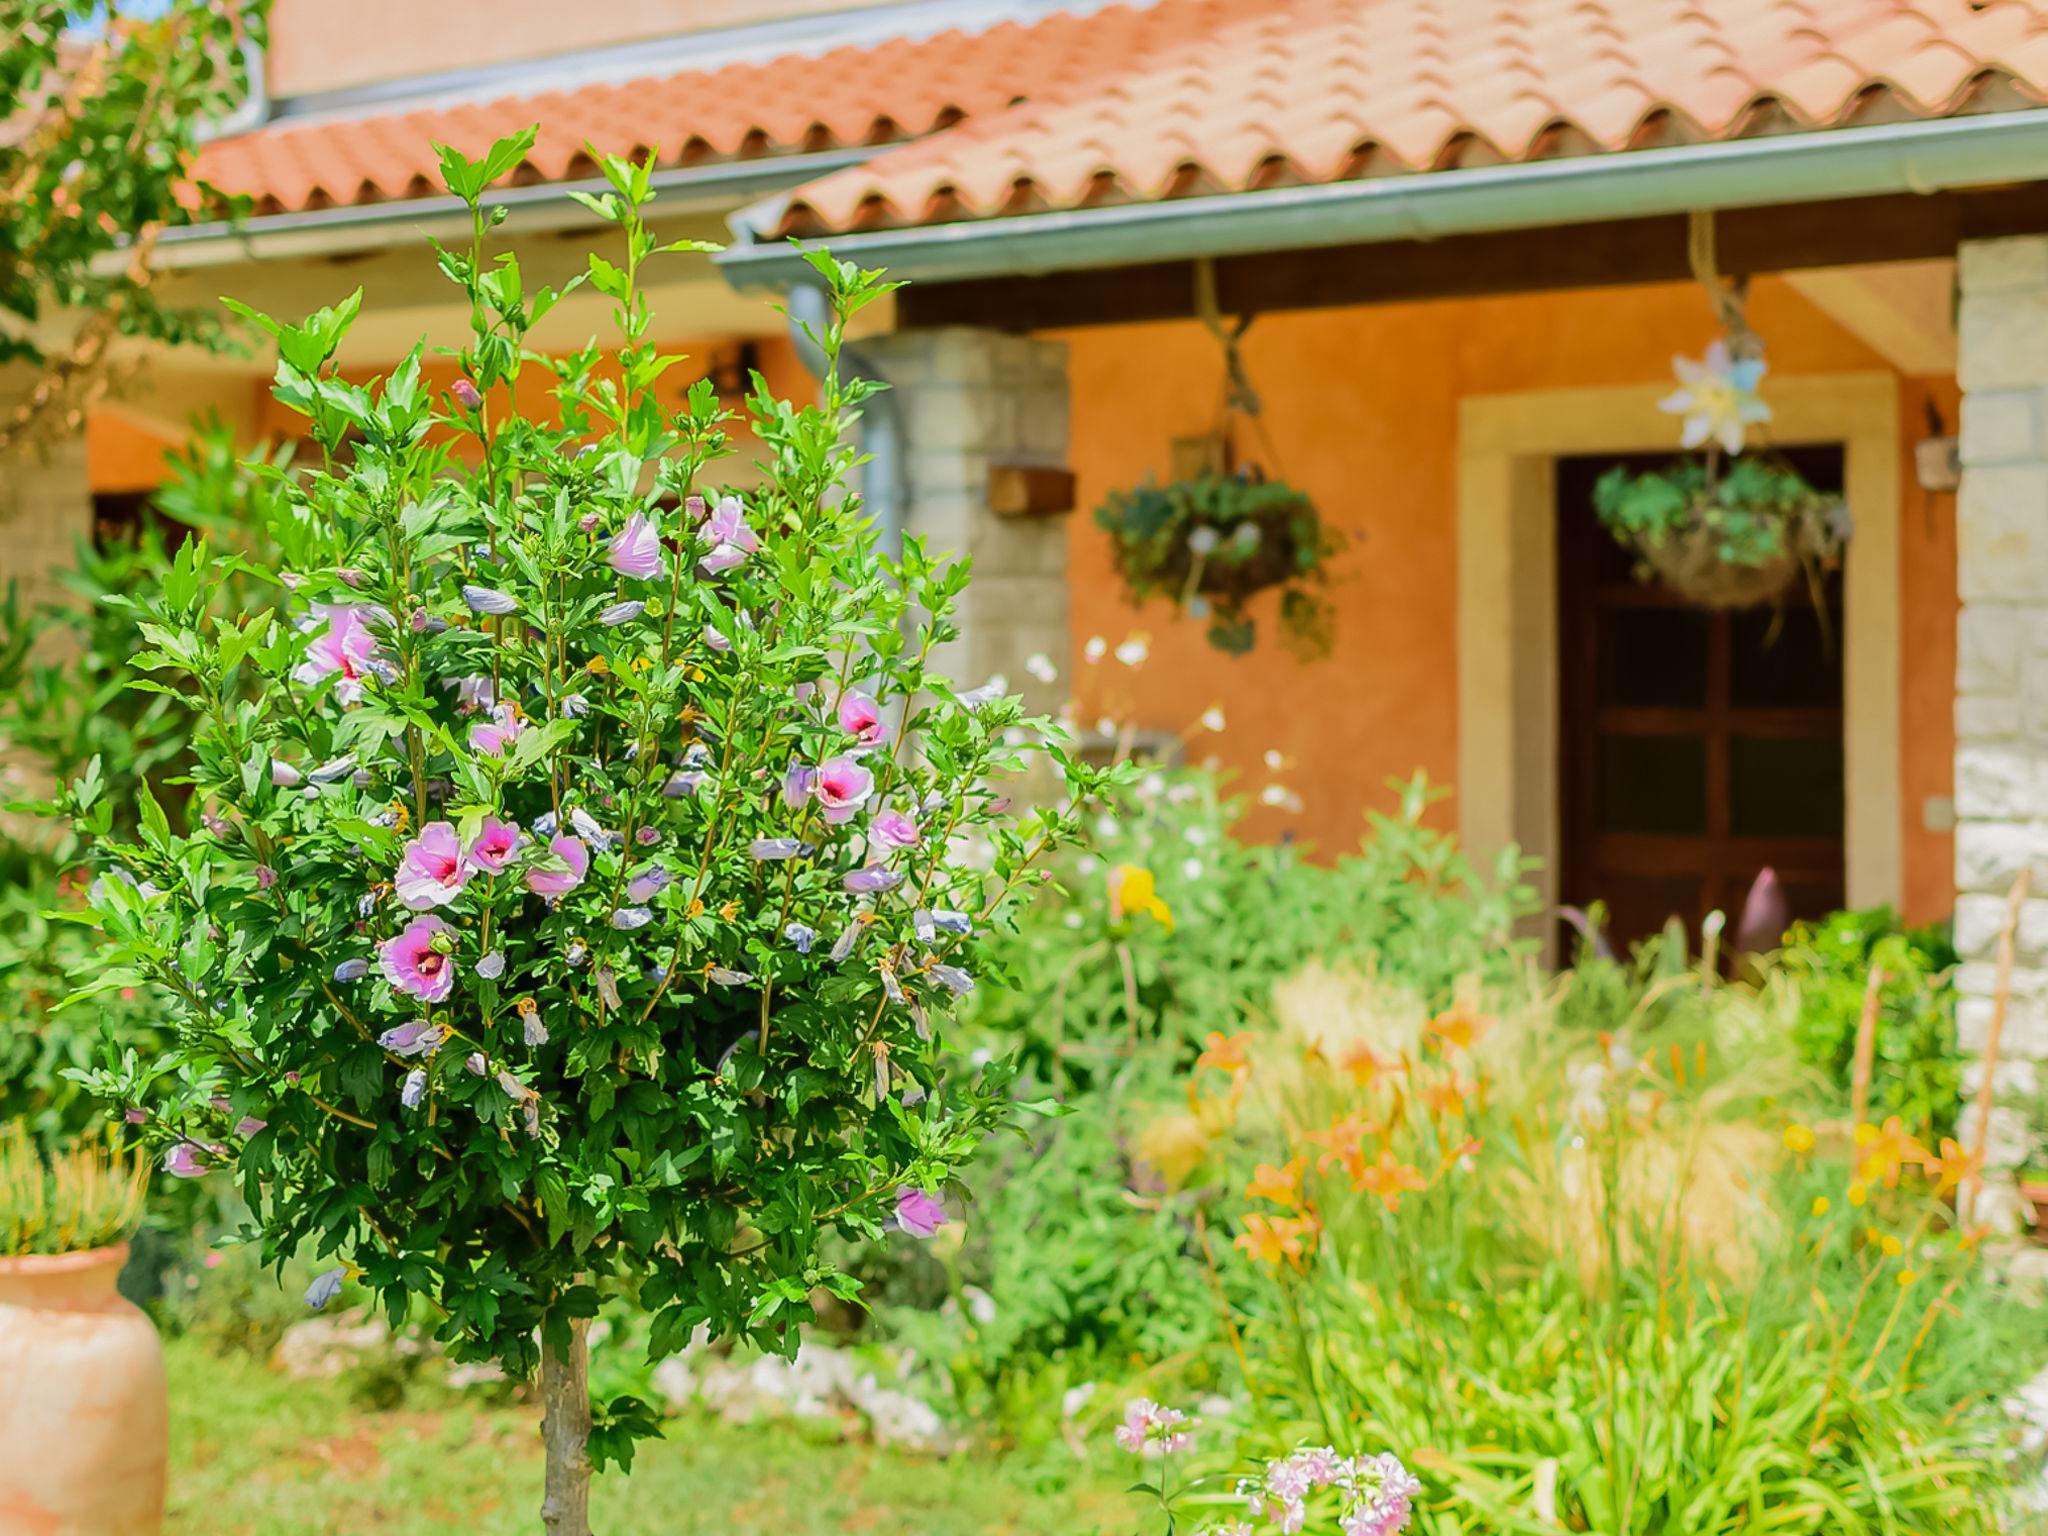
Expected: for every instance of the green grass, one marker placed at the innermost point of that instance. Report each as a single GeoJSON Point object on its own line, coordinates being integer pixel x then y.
{"type": "Point", "coordinates": [254, 1453]}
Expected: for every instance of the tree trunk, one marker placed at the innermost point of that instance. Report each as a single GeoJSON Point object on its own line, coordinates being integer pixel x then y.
{"type": "Point", "coordinates": [565, 1431]}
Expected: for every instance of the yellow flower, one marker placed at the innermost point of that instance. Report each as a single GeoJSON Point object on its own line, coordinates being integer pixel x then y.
{"type": "Point", "coordinates": [1133, 890]}
{"type": "Point", "coordinates": [1953, 1166]}
{"type": "Point", "coordinates": [597, 666]}
{"type": "Point", "coordinates": [1907, 1277]}
{"type": "Point", "coordinates": [1891, 1245]}
{"type": "Point", "coordinates": [1225, 1053]}
{"type": "Point", "coordinates": [1798, 1138]}
{"type": "Point", "coordinates": [1459, 1026]}
{"type": "Point", "coordinates": [1271, 1239]}
{"type": "Point", "coordinates": [1822, 1205]}
{"type": "Point", "coordinates": [1388, 1178]}
{"type": "Point", "coordinates": [1859, 1194]}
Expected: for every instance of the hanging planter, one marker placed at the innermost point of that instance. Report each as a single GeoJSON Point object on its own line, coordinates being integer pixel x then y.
{"type": "Point", "coordinates": [1732, 535]}
{"type": "Point", "coordinates": [1215, 537]}
{"type": "Point", "coordinates": [1722, 529]}
{"type": "Point", "coordinates": [1213, 542]}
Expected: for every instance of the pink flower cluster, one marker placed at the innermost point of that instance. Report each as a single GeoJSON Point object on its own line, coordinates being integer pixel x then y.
{"type": "Point", "coordinates": [435, 867]}
{"type": "Point", "coordinates": [1148, 1425]}
{"type": "Point", "coordinates": [1375, 1494]}
{"type": "Point", "coordinates": [343, 648]}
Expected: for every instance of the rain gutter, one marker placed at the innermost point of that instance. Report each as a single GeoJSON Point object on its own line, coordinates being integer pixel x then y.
{"type": "Point", "coordinates": [1826, 165]}
{"type": "Point", "coordinates": [544, 206]}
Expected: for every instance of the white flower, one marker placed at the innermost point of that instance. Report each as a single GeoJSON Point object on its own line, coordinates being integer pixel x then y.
{"type": "Point", "coordinates": [1280, 797]}
{"type": "Point", "coordinates": [1717, 397]}
{"type": "Point", "coordinates": [1212, 718]}
{"type": "Point", "coordinates": [1095, 649]}
{"type": "Point", "coordinates": [1040, 666]}
{"type": "Point", "coordinates": [1201, 540]}
{"type": "Point", "coordinates": [1191, 868]}
{"type": "Point", "coordinates": [1132, 652]}
{"type": "Point", "coordinates": [1274, 760]}
{"type": "Point", "coordinates": [1105, 726]}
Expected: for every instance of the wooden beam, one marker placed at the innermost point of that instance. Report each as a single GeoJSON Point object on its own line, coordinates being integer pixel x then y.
{"type": "Point", "coordinates": [1801, 236]}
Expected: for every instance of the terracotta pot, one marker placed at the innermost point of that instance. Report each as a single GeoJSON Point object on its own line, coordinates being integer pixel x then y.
{"type": "Point", "coordinates": [83, 1413]}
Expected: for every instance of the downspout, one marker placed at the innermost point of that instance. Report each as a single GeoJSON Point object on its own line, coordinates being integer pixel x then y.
{"type": "Point", "coordinates": [881, 419]}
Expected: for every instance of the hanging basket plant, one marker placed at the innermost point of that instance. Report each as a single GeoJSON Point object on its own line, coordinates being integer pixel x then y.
{"type": "Point", "coordinates": [1215, 536]}
{"type": "Point", "coordinates": [1214, 541]}
{"type": "Point", "coordinates": [1724, 534]}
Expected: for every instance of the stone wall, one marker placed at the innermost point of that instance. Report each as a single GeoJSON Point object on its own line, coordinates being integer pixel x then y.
{"type": "Point", "coordinates": [2001, 780]}
{"type": "Point", "coordinates": [969, 400]}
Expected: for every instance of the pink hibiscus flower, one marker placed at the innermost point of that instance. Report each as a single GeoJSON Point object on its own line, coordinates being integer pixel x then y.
{"type": "Point", "coordinates": [496, 842]}
{"type": "Point", "coordinates": [491, 737]}
{"type": "Point", "coordinates": [553, 883]}
{"type": "Point", "coordinates": [416, 961]}
{"type": "Point", "coordinates": [345, 646]}
{"type": "Point", "coordinates": [861, 718]}
{"type": "Point", "coordinates": [918, 1212]}
{"type": "Point", "coordinates": [894, 829]}
{"type": "Point", "coordinates": [731, 539]}
{"type": "Point", "coordinates": [636, 549]}
{"type": "Point", "coordinates": [842, 787]}
{"type": "Point", "coordinates": [432, 873]}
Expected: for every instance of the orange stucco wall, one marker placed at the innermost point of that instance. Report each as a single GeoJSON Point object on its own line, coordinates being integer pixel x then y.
{"type": "Point", "coordinates": [1361, 410]}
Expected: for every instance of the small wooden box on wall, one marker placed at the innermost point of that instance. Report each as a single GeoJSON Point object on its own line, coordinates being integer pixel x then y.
{"type": "Point", "coordinates": [1030, 490]}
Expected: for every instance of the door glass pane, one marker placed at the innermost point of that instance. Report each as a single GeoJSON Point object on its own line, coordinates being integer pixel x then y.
{"type": "Point", "coordinates": [1653, 657]}
{"type": "Point", "coordinates": [1653, 784]}
{"type": "Point", "coordinates": [1789, 787]}
{"type": "Point", "coordinates": [1799, 666]}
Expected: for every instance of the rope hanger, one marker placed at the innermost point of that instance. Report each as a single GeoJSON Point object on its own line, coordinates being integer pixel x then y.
{"type": "Point", "coordinates": [1239, 395]}
{"type": "Point", "coordinates": [1728, 296]}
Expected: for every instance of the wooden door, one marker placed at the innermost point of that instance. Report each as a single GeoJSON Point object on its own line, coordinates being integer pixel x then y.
{"type": "Point", "coordinates": [1698, 746]}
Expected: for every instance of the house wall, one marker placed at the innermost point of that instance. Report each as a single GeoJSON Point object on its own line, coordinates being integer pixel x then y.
{"type": "Point", "coordinates": [1361, 409]}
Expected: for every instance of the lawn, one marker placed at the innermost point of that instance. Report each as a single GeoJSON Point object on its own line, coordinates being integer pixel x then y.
{"type": "Point", "coordinates": [254, 1453]}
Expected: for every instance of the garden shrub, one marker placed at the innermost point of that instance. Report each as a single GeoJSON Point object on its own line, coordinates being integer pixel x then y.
{"type": "Point", "coordinates": [1919, 1074]}
{"type": "Point", "coordinates": [557, 908]}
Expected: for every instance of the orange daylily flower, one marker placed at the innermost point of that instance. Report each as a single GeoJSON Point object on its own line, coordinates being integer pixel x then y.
{"type": "Point", "coordinates": [1469, 1147]}
{"type": "Point", "coordinates": [1883, 1151]}
{"type": "Point", "coordinates": [1273, 1239]}
{"type": "Point", "coordinates": [1363, 1066]}
{"type": "Point", "coordinates": [1280, 1185]}
{"type": "Point", "coordinates": [1344, 1142]}
{"type": "Point", "coordinates": [1447, 1098]}
{"type": "Point", "coordinates": [1953, 1166]}
{"type": "Point", "coordinates": [1388, 1178]}
{"type": "Point", "coordinates": [1459, 1026]}
{"type": "Point", "coordinates": [1225, 1053]}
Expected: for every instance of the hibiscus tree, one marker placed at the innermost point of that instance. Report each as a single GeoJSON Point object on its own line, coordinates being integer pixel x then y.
{"type": "Point", "coordinates": [581, 860]}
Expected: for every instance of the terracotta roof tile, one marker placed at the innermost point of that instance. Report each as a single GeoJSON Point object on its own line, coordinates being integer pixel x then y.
{"type": "Point", "coordinates": [1181, 97]}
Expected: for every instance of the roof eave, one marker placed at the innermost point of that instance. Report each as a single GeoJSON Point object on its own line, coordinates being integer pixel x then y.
{"type": "Point", "coordinates": [714, 187]}
{"type": "Point", "coordinates": [1828, 164]}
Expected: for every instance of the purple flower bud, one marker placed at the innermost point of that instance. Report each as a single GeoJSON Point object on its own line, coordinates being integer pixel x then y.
{"type": "Point", "coordinates": [724, 976]}
{"type": "Point", "coordinates": [801, 937]}
{"type": "Point", "coordinates": [249, 1125]}
{"type": "Point", "coordinates": [492, 966]}
{"type": "Point", "coordinates": [335, 768]}
{"type": "Point", "coordinates": [414, 1088]}
{"type": "Point", "coordinates": [544, 824]}
{"type": "Point", "coordinates": [184, 1162]}
{"type": "Point", "coordinates": [325, 1287]}
{"type": "Point", "coordinates": [283, 774]}
{"type": "Point", "coordinates": [926, 929]}
{"type": "Point", "coordinates": [947, 921]}
{"type": "Point", "coordinates": [589, 522]}
{"type": "Point", "coordinates": [266, 877]}
{"type": "Point", "coordinates": [466, 394]}
{"type": "Point", "coordinates": [871, 881]}
{"type": "Point", "coordinates": [489, 600]}
{"type": "Point", "coordinates": [682, 785]}
{"type": "Point", "coordinates": [536, 1033]}
{"type": "Point", "coordinates": [476, 1064]}
{"type": "Point", "coordinates": [575, 952]}
{"type": "Point", "coordinates": [626, 919]}
{"type": "Point", "coordinates": [891, 987]}
{"type": "Point", "coordinates": [849, 936]}
{"type": "Point", "coordinates": [797, 785]}
{"type": "Point", "coordinates": [574, 706]}
{"type": "Point", "coordinates": [716, 641]}
{"type": "Point", "coordinates": [647, 837]}
{"type": "Point", "coordinates": [953, 979]}
{"type": "Point", "coordinates": [586, 824]}
{"type": "Point", "coordinates": [644, 886]}
{"type": "Point", "coordinates": [417, 1038]}
{"type": "Point", "coordinates": [622, 613]}
{"type": "Point", "coordinates": [134, 1114]}
{"type": "Point", "coordinates": [769, 848]}
{"type": "Point", "coordinates": [352, 970]}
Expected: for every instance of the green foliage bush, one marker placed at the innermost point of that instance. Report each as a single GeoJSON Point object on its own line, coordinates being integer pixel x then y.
{"type": "Point", "coordinates": [1919, 1064]}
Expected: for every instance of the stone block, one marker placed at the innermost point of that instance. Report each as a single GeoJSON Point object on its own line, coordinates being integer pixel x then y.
{"type": "Point", "coordinates": [2002, 339]}
{"type": "Point", "coordinates": [1989, 640]}
{"type": "Point", "coordinates": [1990, 854]}
{"type": "Point", "coordinates": [1993, 266]}
{"type": "Point", "coordinates": [2001, 426]}
{"type": "Point", "coordinates": [2025, 1037]}
{"type": "Point", "coordinates": [2001, 781]}
{"type": "Point", "coordinates": [2002, 533]}
{"type": "Point", "coordinates": [1987, 719]}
